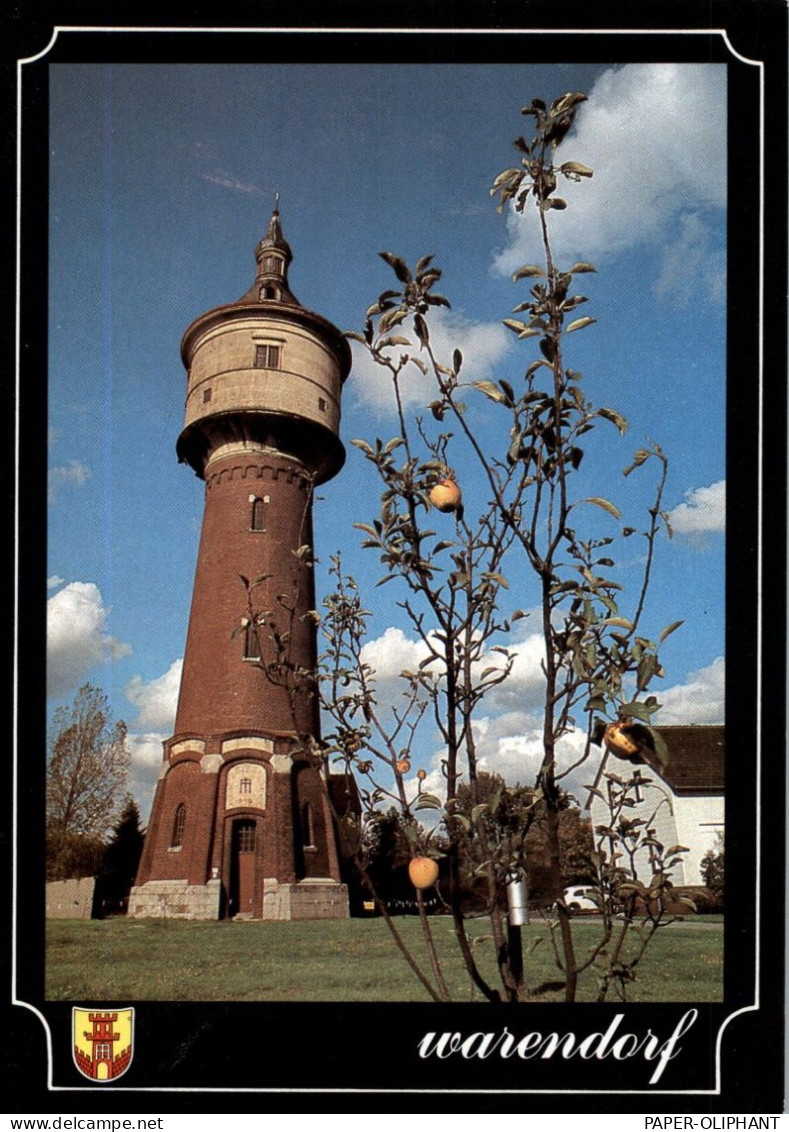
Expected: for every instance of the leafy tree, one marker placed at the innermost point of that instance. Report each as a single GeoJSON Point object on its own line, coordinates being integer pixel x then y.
{"type": "Point", "coordinates": [121, 856]}
{"type": "Point", "coordinates": [533, 537]}
{"type": "Point", "coordinates": [713, 868]}
{"type": "Point", "coordinates": [86, 775]}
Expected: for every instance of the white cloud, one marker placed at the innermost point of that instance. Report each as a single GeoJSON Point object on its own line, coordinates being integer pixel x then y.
{"type": "Point", "coordinates": [74, 473]}
{"type": "Point", "coordinates": [77, 637]}
{"type": "Point", "coordinates": [482, 344]}
{"type": "Point", "coordinates": [703, 512]}
{"type": "Point", "coordinates": [655, 135]}
{"type": "Point", "coordinates": [508, 739]}
{"type": "Point", "coordinates": [701, 699]}
{"type": "Point", "coordinates": [157, 699]}
{"type": "Point", "coordinates": [146, 758]}
{"type": "Point", "coordinates": [691, 266]}
{"type": "Point", "coordinates": [393, 652]}
{"type": "Point", "coordinates": [54, 581]}
{"type": "Point", "coordinates": [145, 749]}
{"type": "Point", "coordinates": [226, 179]}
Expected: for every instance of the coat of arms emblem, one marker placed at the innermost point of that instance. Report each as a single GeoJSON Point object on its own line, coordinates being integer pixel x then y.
{"type": "Point", "coordinates": [102, 1042]}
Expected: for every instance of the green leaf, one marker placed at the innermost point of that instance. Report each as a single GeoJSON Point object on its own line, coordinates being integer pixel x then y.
{"type": "Point", "coordinates": [580, 323]}
{"type": "Point", "coordinates": [581, 268]}
{"type": "Point", "coordinates": [615, 417]}
{"type": "Point", "coordinates": [606, 505]}
{"type": "Point", "coordinates": [534, 367]}
{"type": "Point", "coordinates": [398, 265]}
{"type": "Point", "coordinates": [490, 390]}
{"type": "Point", "coordinates": [427, 802]}
{"type": "Point", "coordinates": [669, 630]}
{"type": "Point", "coordinates": [528, 271]}
{"type": "Point", "coordinates": [516, 324]}
{"type": "Point", "coordinates": [502, 581]}
{"type": "Point", "coordinates": [503, 177]}
{"type": "Point", "coordinates": [423, 263]}
{"type": "Point", "coordinates": [637, 710]}
{"type": "Point", "coordinates": [619, 622]}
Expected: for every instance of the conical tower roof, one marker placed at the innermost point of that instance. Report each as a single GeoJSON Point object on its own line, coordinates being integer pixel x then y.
{"type": "Point", "coordinates": [273, 257]}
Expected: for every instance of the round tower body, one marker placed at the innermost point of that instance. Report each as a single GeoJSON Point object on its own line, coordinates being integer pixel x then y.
{"type": "Point", "coordinates": [242, 823]}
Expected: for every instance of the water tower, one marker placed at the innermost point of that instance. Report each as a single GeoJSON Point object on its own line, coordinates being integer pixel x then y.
{"type": "Point", "coordinates": [241, 823]}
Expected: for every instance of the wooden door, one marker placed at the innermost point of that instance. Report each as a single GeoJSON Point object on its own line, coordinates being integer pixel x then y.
{"type": "Point", "coordinates": [244, 838]}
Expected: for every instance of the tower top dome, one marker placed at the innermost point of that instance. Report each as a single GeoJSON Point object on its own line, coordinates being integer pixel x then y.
{"type": "Point", "coordinates": [273, 257]}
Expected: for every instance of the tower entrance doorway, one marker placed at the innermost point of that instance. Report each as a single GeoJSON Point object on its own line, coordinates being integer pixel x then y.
{"type": "Point", "coordinates": [242, 878]}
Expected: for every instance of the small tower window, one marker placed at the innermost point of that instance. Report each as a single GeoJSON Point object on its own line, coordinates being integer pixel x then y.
{"type": "Point", "coordinates": [257, 519]}
{"type": "Point", "coordinates": [272, 264]}
{"type": "Point", "coordinates": [179, 822]}
{"type": "Point", "coordinates": [322, 404]}
{"type": "Point", "coordinates": [245, 835]}
{"type": "Point", "coordinates": [206, 396]}
{"type": "Point", "coordinates": [251, 642]}
{"type": "Point", "coordinates": [266, 356]}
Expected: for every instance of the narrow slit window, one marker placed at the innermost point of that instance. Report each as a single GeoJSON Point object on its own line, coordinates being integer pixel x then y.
{"type": "Point", "coordinates": [257, 520]}
{"type": "Point", "coordinates": [251, 642]}
{"type": "Point", "coordinates": [206, 396]}
{"type": "Point", "coordinates": [307, 826]}
{"type": "Point", "coordinates": [179, 823]}
{"type": "Point", "coordinates": [322, 404]}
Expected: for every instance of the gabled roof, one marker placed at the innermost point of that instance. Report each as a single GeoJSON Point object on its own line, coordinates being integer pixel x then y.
{"type": "Point", "coordinates": [696, 761]}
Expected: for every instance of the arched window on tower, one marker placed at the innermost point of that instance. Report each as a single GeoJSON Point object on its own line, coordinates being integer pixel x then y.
{"type": "Point", "coordinates": [251, 641]}
{"type": "Point", "coordinates": [307, 826]}
{"type": "Point", "coordinates": [257, 521]}
{"type": "Point", "coordinates": [179, 822]}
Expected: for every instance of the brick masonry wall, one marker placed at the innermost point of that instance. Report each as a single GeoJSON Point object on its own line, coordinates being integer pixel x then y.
{"type": "Point", "coordinates": [219, 689]}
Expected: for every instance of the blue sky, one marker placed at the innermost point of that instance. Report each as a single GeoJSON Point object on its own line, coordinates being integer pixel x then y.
{"type": "Point", "coordinates": [162, 182]}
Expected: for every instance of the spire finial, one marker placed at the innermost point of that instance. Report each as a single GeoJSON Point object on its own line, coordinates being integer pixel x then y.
{"type": "Point", "coordinates": [276, 202]}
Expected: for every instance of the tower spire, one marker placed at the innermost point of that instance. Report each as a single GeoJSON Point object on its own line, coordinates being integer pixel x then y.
{"type": "Point", "coordinates": [273, 257]}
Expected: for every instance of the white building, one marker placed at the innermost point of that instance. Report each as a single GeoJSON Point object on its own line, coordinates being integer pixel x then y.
{"type": "Point", "coordinates": [683, 802]}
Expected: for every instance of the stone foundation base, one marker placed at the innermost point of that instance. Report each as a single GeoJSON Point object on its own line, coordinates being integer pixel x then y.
{"type": "Point", "coordinates": [307, 900]}
{"type": "Point", "coordinates": [175, 900]}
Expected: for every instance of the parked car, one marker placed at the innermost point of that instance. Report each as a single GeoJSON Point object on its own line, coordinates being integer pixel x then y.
{"type": "Point", "coordinates": [581, 898]}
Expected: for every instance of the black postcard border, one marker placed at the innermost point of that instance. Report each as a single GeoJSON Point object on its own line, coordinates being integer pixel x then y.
{"type": "Point", "coordinates": [732, 1056]}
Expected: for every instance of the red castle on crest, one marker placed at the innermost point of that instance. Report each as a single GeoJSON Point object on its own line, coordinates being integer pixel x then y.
{"type": "Point", "coordinates": [102, 1039]}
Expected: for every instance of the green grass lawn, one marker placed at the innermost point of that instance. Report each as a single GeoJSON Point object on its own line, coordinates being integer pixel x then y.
{"type": "Point", "coordinates": [339, 961]}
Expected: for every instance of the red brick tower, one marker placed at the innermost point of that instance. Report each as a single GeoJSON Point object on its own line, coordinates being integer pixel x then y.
{"type": "Point", "coordinates": [240, 823]}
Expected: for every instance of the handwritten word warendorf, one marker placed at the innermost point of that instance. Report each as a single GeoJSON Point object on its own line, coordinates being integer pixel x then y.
{"type": "Point", "coordinates": [621, 1046]}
